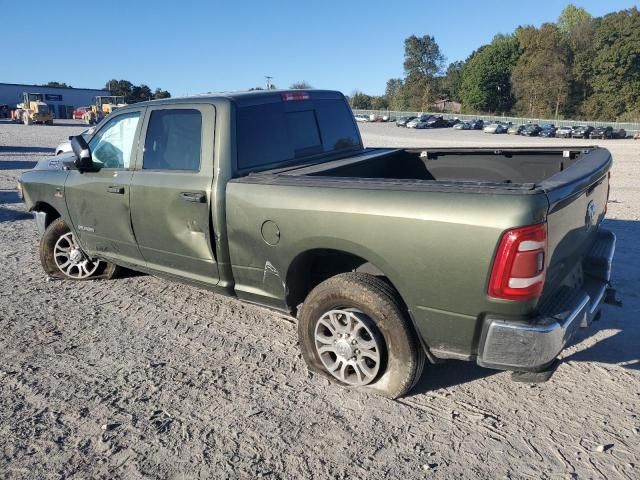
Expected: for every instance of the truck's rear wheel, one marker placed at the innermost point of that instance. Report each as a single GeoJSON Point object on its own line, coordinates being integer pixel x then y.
{"type": "Point", "coordinates": [62, 257]}
{"type": "Point", "coordinates": [353, 330]}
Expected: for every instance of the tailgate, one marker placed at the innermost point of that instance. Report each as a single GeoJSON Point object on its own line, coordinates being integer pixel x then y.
{"type": "Point", "coordinates": [577, 205]}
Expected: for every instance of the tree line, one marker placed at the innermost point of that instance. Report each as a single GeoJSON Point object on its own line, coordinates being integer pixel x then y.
{"type": "Point", "coordinates": [578, 67]}
{"type": "Point", "coordinates": [132, 93]}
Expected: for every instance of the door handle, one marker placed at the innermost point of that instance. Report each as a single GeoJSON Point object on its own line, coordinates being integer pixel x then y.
{"type": "Point", "coordinates": [195, 197]}
{"type": "Point", "coordinates": [115, 189]}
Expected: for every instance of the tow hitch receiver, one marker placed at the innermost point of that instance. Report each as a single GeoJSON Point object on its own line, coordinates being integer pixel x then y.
{"type": "Point", "coordinates": [611, 297]}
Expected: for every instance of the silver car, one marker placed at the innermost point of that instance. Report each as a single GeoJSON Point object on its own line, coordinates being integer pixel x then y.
{"type": "Point", "coordinates": [497, 127]}
{"type": "Point", "coordinates": [65, 147]}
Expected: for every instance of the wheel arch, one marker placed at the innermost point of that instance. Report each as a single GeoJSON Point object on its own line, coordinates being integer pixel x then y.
{"type": "Point", "coordinates": [49, 213]}
{"type": "Point", "coordinates": [313, 266]}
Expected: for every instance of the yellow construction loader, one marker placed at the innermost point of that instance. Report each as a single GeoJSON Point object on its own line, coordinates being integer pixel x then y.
{"type": "Point", "coordinates": [33, 109]}
{"type": "Point", "coordinates": [103, 107]}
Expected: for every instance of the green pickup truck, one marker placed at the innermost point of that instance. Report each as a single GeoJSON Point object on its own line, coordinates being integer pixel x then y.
{"type": "Point", "coordinates": [387, 257]}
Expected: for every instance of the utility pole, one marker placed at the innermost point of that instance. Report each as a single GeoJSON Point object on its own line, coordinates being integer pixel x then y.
{"type": "Point", "coordinates": [268, 81]}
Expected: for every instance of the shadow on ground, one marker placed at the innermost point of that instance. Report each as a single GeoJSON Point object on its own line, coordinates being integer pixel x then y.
{"type": "Point", "coordinates": [622, 347]}
{"type": "Point", "coordinates": [9, 215]}
{"type": "Point", "coordinates": [17, 164]}
{"type": "Point", "coordinates": [9, 196]}
{"type": "Point", "coordinates": [23, 150]}
{"type": "Point", "coordinates": [449, 374]}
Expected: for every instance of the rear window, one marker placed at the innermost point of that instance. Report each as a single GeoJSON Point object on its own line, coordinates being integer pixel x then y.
{"type": "Point", "coordinates": [279, 132]}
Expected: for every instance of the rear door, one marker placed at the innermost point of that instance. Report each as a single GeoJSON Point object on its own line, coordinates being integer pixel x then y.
{"type": "Point", "coordinates": [171, 191]}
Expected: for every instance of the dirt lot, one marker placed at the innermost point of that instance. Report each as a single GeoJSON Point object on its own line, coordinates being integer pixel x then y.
{"type": "Point", "coordinates": [143, 378]}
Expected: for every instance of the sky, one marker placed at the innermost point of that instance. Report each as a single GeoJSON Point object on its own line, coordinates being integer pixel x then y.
{"type": "Point", "coordinates": [197, 46]}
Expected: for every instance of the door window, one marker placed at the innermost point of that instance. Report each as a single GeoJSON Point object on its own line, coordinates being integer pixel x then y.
{"type": "Point", "coordinates": [173, 140]}
{"type": "Point", "coordinates": [112, 145]}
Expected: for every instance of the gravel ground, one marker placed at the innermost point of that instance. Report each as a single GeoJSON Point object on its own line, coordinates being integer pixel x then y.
{"type": "Point", "coordinates": [142, 378]}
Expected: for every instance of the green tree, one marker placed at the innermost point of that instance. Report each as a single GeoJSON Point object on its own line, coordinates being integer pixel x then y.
{"type": "Point", "coordinates": [541, 76]}
{"type": "Point", "coordinates": [486, 76]}
{"type": "Point", "coordinates": [379, 102]}
{"type": "Point", "coordinates": [134, 93]}
{"type": "Point", "coordinates": [615, 81]}
{"type": "Point", "coordinates": [360, 101]}
{"type": "Point", "coordinates": [140, 93]}
{"type": "Point", "coordinates": [57, 85]}
{"type": "Point", "coordinates": [423, 61]}
{"type": "Point", "coordinates": [452, 81]}
{"type": "Point", "coordinates": [303, 85]}
{"type": "Point", "coordinates": [572, 18]}
{"type": "Point", "coordinates": [578, 28]}
{"type": "Point", "coordinates": [159, 93]}
{"type": "Point", "coordinates": [119, 87]}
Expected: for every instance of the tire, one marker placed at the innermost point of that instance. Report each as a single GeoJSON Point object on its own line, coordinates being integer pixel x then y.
{"type": "Point", "coordinates": [58, 236]}
{"type": "Point", "coordinates": [358, 297]}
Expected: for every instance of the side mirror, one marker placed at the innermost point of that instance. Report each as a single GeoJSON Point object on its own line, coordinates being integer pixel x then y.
{"type": "Point", "coordinates": [81, 149]}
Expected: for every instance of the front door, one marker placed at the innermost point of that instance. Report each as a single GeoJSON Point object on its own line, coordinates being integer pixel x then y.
{"type": "Point", "coordinates": [98, 202]}
{"type": "Point", "coordinates": [171, 191]}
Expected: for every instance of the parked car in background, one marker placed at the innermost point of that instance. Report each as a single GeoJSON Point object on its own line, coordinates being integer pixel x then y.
{"type": "Point", "coordinates": [531, 130]}
{"type": "Point", "coordinates": [462, 126]}
{"type": "Point", "coordinates": [515, 129]}
{"type": "Point", "coordinates": [79, 112]}
{"type": "Point", "coordinates": [620, 133]}
{"type": "Point", "coordinates": [65, 147]}
{"type": "Point", "coordinates": [419, 122]}
{"type": "Point", "coordinates": [452, 122]}
{"type": "Point", "coordinates": [601, 132]}
{"type": "Point", "coordinates": [564, 131]}
{"type": "Point", "coordinates": [548, 131]}
{"type": "Point", "coordinates": [608, 132]}
{"type": "Point", "coordinates": [582, 131]}
{"type": "Point", "coordinates": [496, 127]}
{"type": "Point", "coordinates": [402, 121]}
{"type": "Point", "coordinates": [476, 124]}
{"type": "Point", "coordinates": [437, 122]}
{"type": "Point", "coordinates": [361, 118]}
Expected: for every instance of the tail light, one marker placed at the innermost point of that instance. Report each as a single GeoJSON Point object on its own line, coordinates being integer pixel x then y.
{"type": "Point", "coordinates": [518, 270]}
{"type": "Point", "coordinates": [292, 96]}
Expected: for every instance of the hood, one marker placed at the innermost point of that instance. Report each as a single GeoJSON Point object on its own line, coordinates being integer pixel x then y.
{"type": "Point", "coordinates": [54, 163]}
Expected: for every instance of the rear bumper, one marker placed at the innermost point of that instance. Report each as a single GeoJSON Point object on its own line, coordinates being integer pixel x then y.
{"type": "Point", "coordinates": [534, 344]}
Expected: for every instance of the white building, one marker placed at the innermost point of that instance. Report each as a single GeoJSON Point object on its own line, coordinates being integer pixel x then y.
{"type": "Point", "coordinates": [61, 100]}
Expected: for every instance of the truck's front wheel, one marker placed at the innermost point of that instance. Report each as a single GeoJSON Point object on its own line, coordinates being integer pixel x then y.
{"type": "Point", "coordinates": [353, 329]}
{"type": "Point", "coordinates": [62, 257]}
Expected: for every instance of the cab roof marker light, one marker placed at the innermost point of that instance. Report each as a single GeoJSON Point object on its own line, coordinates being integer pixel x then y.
{"type": "Point", "coordinates": [293, 96]}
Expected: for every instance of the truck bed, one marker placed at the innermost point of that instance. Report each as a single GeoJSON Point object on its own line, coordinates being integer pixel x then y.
{"type": "Point", "coordinates": [519, 168]}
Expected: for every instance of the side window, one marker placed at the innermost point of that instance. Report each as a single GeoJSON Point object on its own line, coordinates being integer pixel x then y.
{"type": "Point", "coordinates": [173, 140]}
{"type": "Point", "coordinates": [111, 147]}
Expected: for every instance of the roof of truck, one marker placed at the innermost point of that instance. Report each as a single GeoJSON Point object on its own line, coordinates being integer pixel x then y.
{"type": "Point", "coordinates": [247, 97]}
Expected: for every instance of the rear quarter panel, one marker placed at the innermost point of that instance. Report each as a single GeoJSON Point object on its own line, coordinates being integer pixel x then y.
{"type": "Point", "coordinates": [435, 247]}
